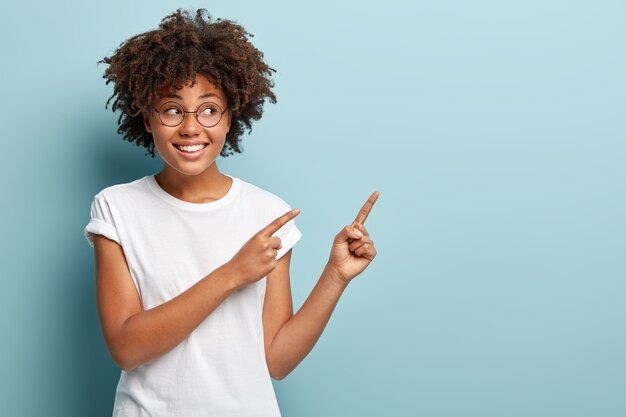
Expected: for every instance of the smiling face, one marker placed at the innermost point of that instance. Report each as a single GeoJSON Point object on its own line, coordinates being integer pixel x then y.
{"type": "Point", "coordinates": [168, 140]}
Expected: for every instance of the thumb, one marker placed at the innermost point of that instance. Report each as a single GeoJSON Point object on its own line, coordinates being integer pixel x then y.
{"type": "Point", "coordinates": [346, 233]}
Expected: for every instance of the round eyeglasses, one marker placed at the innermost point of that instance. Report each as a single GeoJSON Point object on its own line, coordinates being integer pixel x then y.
{"type": "Point", "coordinates": [172, 114]}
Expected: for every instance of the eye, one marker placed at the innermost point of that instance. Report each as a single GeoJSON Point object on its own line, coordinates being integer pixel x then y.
{"type": "Point", "coordinates": [208, 109]}
{"type": "Point", "coordinates": [171, 111]}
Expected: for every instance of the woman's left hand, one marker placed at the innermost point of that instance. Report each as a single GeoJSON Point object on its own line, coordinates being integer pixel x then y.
{"type": "Point", "coordinates": [352, 253]}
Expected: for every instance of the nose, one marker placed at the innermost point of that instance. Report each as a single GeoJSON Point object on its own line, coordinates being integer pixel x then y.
{"type": "Point", "coordinates": [190, 125]}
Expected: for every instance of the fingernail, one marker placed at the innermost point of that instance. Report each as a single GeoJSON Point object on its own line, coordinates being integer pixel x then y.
{"type": "Point", "coordinates": [358, 233]}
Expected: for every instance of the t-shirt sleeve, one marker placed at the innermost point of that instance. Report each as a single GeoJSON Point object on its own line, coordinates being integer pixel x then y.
{"type": "Point", "coordinates": [289, 234]}
{"type": "Point", "coordinates": [101, 222]}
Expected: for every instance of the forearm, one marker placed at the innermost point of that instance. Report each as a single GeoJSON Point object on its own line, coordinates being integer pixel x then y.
{"type": "Point", "coordinates": [150, 334]}
{"type": "Point", "coordinates": [298, 335]}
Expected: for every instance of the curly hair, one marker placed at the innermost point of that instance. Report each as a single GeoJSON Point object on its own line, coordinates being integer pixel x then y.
{"type": "Point", "coordinates": [182, 47]}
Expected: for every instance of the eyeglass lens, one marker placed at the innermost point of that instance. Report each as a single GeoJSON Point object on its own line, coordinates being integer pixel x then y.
{"type": "Point", "coordinates": [172, 114]}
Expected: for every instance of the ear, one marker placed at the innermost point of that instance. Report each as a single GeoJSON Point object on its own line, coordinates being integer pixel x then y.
{"type": "Point", "coordinates": [146, 123]}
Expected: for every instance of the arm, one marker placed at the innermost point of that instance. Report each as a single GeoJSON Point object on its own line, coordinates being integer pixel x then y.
{"type": "Point", "coordinates": [134, 336]}
{"type": "Point", "coordinates": [295, 336]}
{"type": "Point", "coordinates": [299, 333]}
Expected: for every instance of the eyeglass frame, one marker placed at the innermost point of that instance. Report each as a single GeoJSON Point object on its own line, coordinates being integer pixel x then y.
{"type": "Point", "coordinates": [185, 113]}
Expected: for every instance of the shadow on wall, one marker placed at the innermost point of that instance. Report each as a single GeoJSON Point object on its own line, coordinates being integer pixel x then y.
{"type": "Point", "coordinates": [112, 161]}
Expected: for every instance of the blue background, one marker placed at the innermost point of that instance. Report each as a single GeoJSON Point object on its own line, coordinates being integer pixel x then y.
{"type": "Point", "coordinates": [494, 131]}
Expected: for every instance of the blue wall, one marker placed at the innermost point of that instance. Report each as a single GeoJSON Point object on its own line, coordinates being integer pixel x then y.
{"type": "Point", "coordinates": [493, 130]}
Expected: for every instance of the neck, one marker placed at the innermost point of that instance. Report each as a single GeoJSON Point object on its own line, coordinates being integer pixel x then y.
{"type": "Point", "coordinates": [210, 185]}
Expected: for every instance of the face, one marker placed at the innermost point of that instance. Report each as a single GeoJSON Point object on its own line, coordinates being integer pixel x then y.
{"type": "Point", "coordinates": [167, 140]}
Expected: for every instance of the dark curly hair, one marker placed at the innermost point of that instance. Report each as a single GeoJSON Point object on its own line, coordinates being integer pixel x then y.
{"type": "Point", "coordinates": [182, 47]}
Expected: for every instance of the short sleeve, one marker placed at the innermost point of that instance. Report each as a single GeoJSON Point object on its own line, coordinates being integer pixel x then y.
{"type": "Point", "coordinates": [289, 234]}
{"type": "Point", "coordinates": [101, 222]}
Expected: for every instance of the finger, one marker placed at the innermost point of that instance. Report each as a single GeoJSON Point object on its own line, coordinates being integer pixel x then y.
{"type": "Point", "coordinates": [346, 234]}
{"type": "Point", "coordinates": [354, 225]}
{"type": "Point", "coordinates": [367, 207]}
{"type": "Point", "coordinates": [358, 243]}
{"type": "Point", "coordinates": [273, 227]}
{"type": "Point", "coordinates": [355, 245]}
{"type": "Point", "coordinates": [362, 250]}
{"type": "Point", "coordinates": [275, 242]}
{"type": "Point", "coordinates": [366, 251]}
{"type": "Point", "coordinates": [361, 227]}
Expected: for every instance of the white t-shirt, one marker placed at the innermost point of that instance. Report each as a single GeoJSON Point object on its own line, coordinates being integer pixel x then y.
{"type": "Point", "coordinates": [170, 244]}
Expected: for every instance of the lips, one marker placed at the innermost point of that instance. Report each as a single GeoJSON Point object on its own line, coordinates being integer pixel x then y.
{"type": "Point", "coordinates": [191, 156]}
{"type": "Point", "coordinates": [198, 142]}
{"type": "Point", "coordinates": [204, 145]}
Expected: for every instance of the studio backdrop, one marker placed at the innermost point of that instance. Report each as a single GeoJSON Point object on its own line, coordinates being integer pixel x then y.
{"type": "Point", "coordinates": [494, 131]}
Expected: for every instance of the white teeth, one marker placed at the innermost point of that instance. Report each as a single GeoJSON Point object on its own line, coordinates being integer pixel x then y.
{"type": "Point", "coordinates": [191, 148]}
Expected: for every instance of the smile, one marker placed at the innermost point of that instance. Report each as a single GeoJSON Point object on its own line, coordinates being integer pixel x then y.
{"type": "Point", "coordinates": [191, 149]}
{"type": "Point", "coordinates": [191, 153]}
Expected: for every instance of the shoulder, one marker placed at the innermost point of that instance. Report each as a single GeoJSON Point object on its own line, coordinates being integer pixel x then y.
{"type": "Point", "coordinates": [127, 190]}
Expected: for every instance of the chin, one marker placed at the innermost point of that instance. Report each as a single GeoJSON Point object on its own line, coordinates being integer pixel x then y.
{"type": "Point", "coordinates": [193, 171]}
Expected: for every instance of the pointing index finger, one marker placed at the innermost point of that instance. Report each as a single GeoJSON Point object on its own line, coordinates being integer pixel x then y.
{"type": "Point", "coordinates": [274, 226]}
{"type": "Point", "coordinates": [367, 207]}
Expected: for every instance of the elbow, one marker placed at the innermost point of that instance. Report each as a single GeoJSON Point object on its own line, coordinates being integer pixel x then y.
{"type": "Point", "coordinates": [123, 350]}
{"type": "Point", "coordinates": [124, 364]}
{"type": "Point", "coordinates": [276, 374]}
{"type": "Point", "coordinates": [126, 367]}
{"type": "Point", "coordinates": [123, 360]}
{"type": "Point", "coordinates": [277, 371]}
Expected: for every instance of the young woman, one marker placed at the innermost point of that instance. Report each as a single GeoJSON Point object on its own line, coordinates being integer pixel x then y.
{"type": "Point", "coordinates": [192, 265]}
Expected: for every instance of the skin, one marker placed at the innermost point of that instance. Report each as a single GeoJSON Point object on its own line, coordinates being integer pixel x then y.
{"type": "Point", "coordinates": [198, 181]}
{"type": "Point", "coordinates": [135, 336]}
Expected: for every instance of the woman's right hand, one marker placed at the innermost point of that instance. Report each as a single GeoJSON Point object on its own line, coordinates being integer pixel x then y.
{"type": "Point", "coordinates": [257, 257]}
